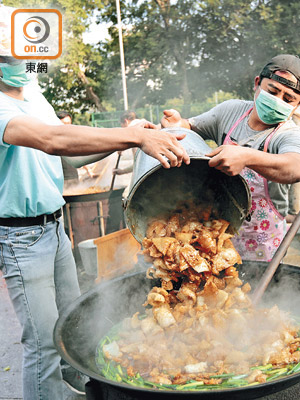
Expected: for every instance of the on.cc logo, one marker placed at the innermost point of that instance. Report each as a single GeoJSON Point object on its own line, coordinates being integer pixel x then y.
{"type": "Point", "coordinates": [36, 30]}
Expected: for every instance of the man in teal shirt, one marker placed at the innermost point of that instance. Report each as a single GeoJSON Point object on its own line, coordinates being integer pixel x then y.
{"type": "Point", "coordinates": [36, 256]}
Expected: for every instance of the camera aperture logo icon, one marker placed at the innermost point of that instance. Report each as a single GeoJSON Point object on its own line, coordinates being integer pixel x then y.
{"type": "Point", "coordinates": [36, 34]}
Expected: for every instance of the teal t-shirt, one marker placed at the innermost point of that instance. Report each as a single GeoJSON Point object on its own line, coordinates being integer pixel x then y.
{"type": "Point", "coordinates": [31, 181]}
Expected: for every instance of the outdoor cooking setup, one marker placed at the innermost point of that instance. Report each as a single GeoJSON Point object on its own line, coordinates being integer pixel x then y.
{"type": "Point", "coordinates": [157, 191]}
{"type": "Point", "coordinates": [90, 317]}
{"type": "Point", "coordinates": [91, 215]}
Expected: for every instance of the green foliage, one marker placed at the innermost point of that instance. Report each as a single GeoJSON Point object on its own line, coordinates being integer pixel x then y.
{"type": "Point", "coordinates": [191, 49]}
{"type": "Point", "coordinates": [251, 36]}
{"type": "Point", "coordinates": [82, 119]}
{"type": "Point", "coordinates": [174, 49]}
{"type": "Point", "coordinates": [69, 83]}
{"type": "Point", "coordinates": [154, 113]}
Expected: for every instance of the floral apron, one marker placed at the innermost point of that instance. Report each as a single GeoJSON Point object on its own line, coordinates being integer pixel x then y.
{"type": "Point", "coordinates": [259, 238]}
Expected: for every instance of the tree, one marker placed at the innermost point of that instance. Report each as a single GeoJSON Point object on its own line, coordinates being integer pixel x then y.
{"type": "Point", "coordinates": [160, 41]}
{"type": "Point", "coordinates": [185, 49]}
{"type": "Point", "coordinates": [247, 39]}
{"type": "Point", "coordinates": [69, 84]}
{"type": "Point", "coordinates": [190, 49]}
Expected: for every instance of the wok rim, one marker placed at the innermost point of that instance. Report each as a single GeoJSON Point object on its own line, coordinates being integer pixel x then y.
{"type": "Point", "coordinates": [260, 389]}
{"type": "Point", "coordinates": [85, 197]}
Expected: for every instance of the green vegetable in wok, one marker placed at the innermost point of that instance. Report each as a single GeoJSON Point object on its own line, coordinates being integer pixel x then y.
{"type": "Point", "coordinates": [115, 372]}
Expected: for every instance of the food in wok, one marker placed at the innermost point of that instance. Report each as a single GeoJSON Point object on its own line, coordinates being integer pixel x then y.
{"type": "Point", "coordinates": [76, 190]}
{"type": "Point", "coordinates": [199, 330]}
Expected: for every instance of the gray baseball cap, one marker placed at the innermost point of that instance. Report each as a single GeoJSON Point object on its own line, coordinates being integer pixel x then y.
{"type": "Point", "coordinates": [283, 62]}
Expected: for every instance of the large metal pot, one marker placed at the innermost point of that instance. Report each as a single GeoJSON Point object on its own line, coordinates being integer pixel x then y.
{"type": "Point", "coordinates": [87, 320]}
{"type": "Point", "coordinates": [91, 215]}
{"type": "Point", "coordinates": [158, 191]}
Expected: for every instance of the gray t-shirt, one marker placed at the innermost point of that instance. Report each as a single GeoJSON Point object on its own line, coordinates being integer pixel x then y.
{"type": "Point", "coordinates": [215, 124]}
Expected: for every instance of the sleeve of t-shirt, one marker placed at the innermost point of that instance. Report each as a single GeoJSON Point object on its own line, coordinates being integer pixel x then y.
{"type": "Point", "coordinates": [7, 111]}
{"type": "Point", "coordinates": [206, 124]}
{"type": "Point", "coordinates": [286, 141]}
{"type": "Point", "coordinates": [211, 124]}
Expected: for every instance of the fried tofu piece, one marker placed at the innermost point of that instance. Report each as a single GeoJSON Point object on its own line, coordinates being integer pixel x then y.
{"type": "Point", "coordinates": [163, 243]}
{"type": "Point", "coordinates": [184, 237]}
{"type": "Point", "coordinates": [173, 225]}
{"type": "Point", "coordinates": [226, 258]}
{"type": "Point", "coordinates": [164, 316]}
{"type": "Point", "coordinates": [206, 241]}
{"type": "Point", "coordinates": [156, 229]}
{"type": "Point", "coordinates": [193, 259]}
{"type": "Point", "coordinates": [192, 226]}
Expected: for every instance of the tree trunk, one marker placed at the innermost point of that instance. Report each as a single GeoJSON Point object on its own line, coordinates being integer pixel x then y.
{"type": "Point", "coordinates": [91, 95]}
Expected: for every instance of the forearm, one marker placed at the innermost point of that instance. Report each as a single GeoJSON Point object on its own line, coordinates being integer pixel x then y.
{"type": "Point", "coordinates": [72, 140]}
{"type": "Point", "coordinates": [184, 123]}
{"type": "Point", "coordinates": [89, 140]}
{"type": "Point", "coordinates": [68, 140]}
{"type": "Point", "coordinates": [281, 168]}
{"type": "Point", "coordinates": [80, 161]}
{"type": "Point", "coordinates": [124, 170]}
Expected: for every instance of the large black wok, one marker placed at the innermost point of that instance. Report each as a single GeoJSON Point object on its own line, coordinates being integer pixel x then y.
{"type": "Point", "coordinates": [86, 321]}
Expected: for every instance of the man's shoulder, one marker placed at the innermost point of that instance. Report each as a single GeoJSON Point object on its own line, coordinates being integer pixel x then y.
{"type": "Point", "coordinates": [8, 101]}
{"type": "Point", "coordinates": [286, 139]}
{"type": "Point", "coordinates": [289, 125]}
{"type": "Point", "coordinates": [9, 108]}
{"type": "Point", "coordinates": [230, 110]}
{"type": "Point", "coordinates": [236, 104]}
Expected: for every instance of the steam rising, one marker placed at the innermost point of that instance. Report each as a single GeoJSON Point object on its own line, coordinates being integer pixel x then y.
{"type": "Point", "coordinates": [199, 323]}
{"type": "Point", "coordinates": [206, 342]}
{"type": "Point", "coordinates": [92, 316]}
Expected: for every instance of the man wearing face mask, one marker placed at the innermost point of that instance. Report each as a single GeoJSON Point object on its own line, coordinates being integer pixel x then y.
{"type": "Point", "coordinates": [258, 140]}
{"type": "Point", "coordinates": [35, 254]}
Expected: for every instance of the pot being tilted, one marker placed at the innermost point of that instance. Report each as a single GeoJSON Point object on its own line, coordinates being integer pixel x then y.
{"type": "Point", "coordinates": [155, 190]}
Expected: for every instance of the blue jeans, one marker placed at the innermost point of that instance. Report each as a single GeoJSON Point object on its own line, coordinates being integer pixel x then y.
{"type": "Point", "coordinates": [40, 273]}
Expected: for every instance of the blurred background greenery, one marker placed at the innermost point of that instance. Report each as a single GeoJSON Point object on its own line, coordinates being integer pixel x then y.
{"type": "Point", "coordinates": [184, 54]}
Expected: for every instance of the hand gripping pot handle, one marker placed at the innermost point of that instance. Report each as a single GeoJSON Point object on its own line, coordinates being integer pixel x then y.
{"type": "Point", "coordinates": [156, 191]}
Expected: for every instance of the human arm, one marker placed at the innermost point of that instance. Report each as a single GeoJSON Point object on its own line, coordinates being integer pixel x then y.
{"type": "Point", "coordinates": [207, 124]}
{"type": "Point", "coordinates": [281, 168]}
{"type": "Point", "coordinates": [81, 161]}
{"type": "Point", "coordinates": [211, 124]}
{"type": "Point", "coordinates": [75, 140]}
{"type": "Point", "coordinates": [120, 171]}
{"type": "Point", "coordinates": [172, 118]}
{"type": "Point", "coordinates": [88, 171]}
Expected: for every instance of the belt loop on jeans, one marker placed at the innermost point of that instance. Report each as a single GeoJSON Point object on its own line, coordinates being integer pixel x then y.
{"type": "Point", "coordinates": [58, 214]}
{"type": "Point", "coordinates": [45, 219]}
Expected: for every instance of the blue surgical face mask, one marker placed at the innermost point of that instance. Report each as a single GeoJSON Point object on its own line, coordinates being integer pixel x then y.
{"type": "Point", "coordinates": [270, 109]}
{"type": "Point", "coordinates": [15, 74]}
